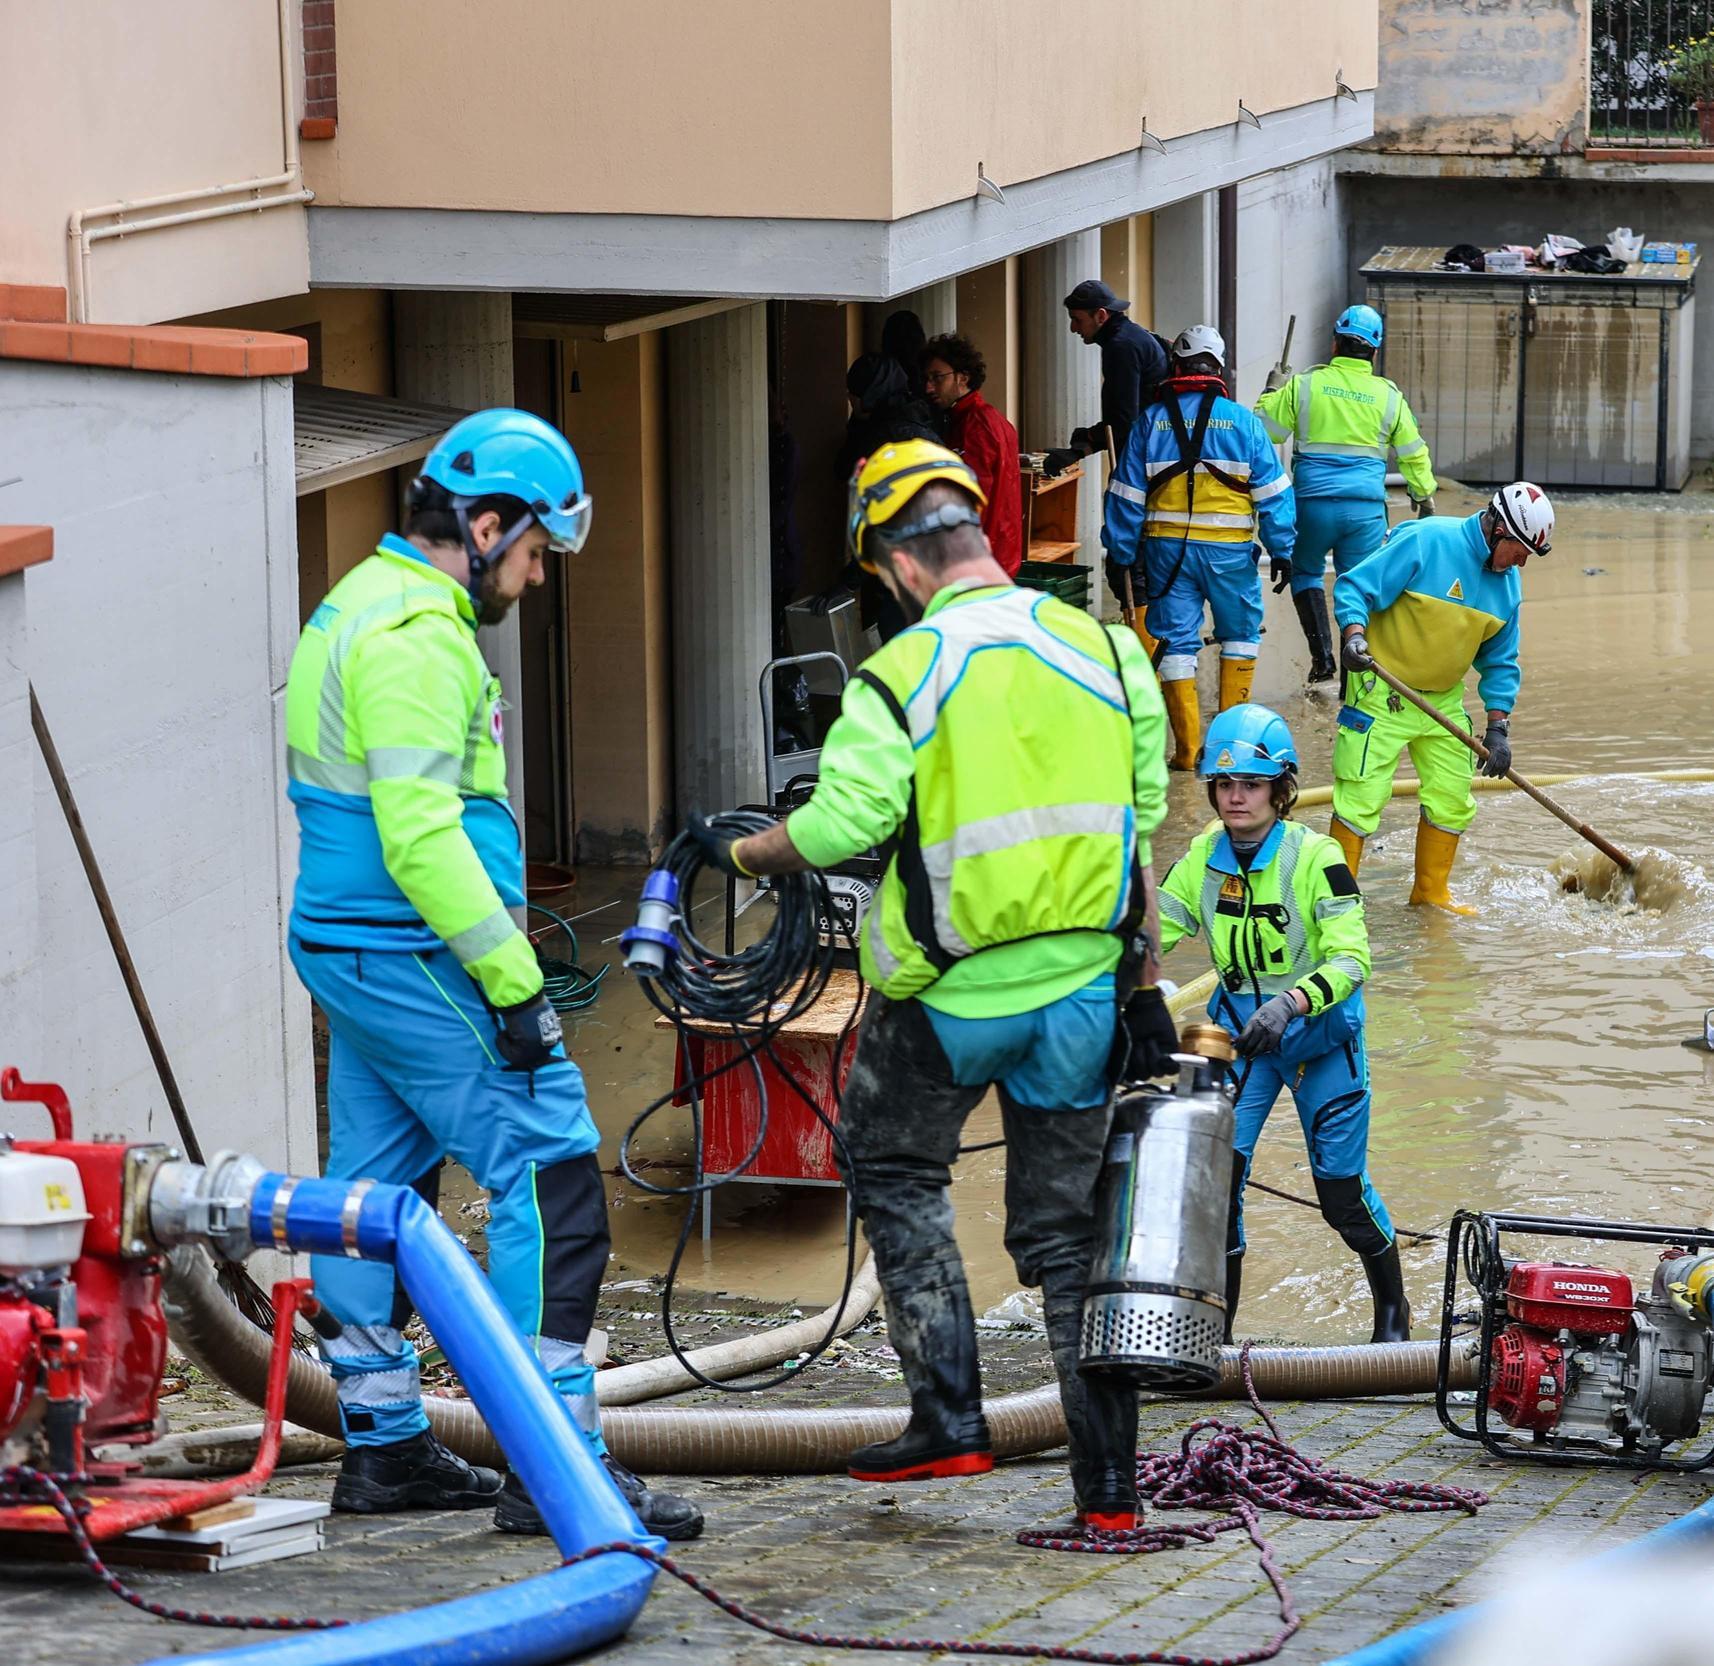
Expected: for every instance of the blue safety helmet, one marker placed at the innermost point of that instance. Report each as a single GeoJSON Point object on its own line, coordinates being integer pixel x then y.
{"type": "Point", "coordinates": [507, 453]}
{"type": "Point", "coordinates": [1361, 324]}
{"type": "Point", "coordinates": [1247, 740]}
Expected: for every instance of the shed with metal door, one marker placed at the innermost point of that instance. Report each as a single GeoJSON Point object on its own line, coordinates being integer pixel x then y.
{"type": "Point", "coordinates": [1562, 378]}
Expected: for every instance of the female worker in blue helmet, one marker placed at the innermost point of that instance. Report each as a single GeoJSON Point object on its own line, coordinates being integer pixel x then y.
{"type": "Point", "coordinates": [1284, 923]}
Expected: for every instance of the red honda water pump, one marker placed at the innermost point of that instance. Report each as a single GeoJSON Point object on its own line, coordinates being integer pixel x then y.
{"type": "Point", "coordinates": [1569, 1355]}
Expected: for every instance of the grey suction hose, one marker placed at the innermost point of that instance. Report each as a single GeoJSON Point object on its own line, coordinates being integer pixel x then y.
{"type": "Point", "coordinates": [716, 1440]}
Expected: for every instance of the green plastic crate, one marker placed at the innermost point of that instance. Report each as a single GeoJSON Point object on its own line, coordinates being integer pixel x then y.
{"type": "Point", "coordinates": [1064, 579]}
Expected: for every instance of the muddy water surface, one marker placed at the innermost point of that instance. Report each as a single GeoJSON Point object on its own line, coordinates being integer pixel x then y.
{"type": "Point", "coordinates": [1527, 1057]}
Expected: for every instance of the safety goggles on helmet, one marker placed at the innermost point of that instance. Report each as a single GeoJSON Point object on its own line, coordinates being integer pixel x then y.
{"type": "Point", "coordinates": [885, 483]}
{"type": "Point", "coordinates": [1242, 760]}
{"type": "Point", "coordinates": [567, 526]}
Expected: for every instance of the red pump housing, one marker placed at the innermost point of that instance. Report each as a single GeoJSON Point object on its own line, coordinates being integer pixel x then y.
{"type": "Point", "coordinates": [1556, 1295]}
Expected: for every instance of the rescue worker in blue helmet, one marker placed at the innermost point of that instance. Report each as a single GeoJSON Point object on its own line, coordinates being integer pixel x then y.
{"type": "Point", "coordinates": [1284, 922]}
{"type": "Point", "coordinates": [1199, 479]}
{"type": "Point", "coordinates": [441, 1038]}
{"type": "Point", "coordinates": [1342, 419]}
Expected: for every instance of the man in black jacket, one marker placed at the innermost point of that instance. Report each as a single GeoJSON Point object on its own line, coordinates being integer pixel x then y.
{"type": "Point", "coordinates": [1132, 362]}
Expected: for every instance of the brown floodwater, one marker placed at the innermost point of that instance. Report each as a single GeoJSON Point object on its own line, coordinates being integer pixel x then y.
{"type": "Point", "coordinates": [1528, 1057]}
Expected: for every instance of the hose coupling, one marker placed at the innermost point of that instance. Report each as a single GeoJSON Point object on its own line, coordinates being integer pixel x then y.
{"type": "Point", "coordinates": [652, 944]}
{"type": "Point", "coordinates": [195, 1203]}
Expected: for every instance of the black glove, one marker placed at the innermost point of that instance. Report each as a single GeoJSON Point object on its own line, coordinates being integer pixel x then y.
{"type": "Point", "coordinates": [1060, 459]}
{"type": "Point", "coordinates": [1354, 652]}
{"type": "Point", "coordinates": [1424, 506]}
{"type": "Point", "coordinates": [528, 1033]}
{"type": "Point", "coordinates": [1498, 741]}
{"type": "Point", "coordinates": [1119, 576]}
{"type": "Point", "coordinates": [1267, 1024]}
{"type": "Point", "coordinates": [1279, 570]}
{"type": "Point", "coordinates": [1147, 1026]}
{"type": "Point", "coordinates": [716, 847]}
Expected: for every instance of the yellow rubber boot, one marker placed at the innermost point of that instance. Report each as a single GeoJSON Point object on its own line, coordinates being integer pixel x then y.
{"type": "Point", "coordinates": [1435, 851]}
{"type": "Point", "coordinates": [1350, 841]}
{"type": "Point", "coordinates": [1185, 716]}
{"type": "Point", "coordinates": [1236, 676]}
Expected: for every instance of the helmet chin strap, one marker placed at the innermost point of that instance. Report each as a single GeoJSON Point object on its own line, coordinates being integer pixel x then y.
{"type": "Point", "coordinates": [480, 563]}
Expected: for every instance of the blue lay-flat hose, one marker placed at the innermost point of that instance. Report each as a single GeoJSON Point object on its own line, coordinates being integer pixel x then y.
{"type": "Point", "coordinates": [1425, 1642]}
{"type": "Point", "coordinates": [536, 1621]}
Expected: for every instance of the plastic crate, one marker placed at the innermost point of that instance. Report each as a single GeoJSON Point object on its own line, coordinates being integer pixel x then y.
{"type": "Point", "coordinates": [1064, 579]}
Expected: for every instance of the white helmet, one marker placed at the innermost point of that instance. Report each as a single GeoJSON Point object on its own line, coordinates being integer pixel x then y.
{"type": "Point", "coordinates": [1526, 514]}
{"type": "Point", "coordinates": [1198, 339]}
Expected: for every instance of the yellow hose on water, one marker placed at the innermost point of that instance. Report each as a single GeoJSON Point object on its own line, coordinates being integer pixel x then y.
{"type": "Point", "coordinates": [1406, 786]}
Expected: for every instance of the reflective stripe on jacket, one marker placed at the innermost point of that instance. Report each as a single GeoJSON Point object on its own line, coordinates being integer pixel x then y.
{"type": "Point", "coordinates": [1021, 820]}
{"type": "Point", "coordinates": [1342, 419]}
{"type": "Point", "coordinates": [1293, 921]}
{"type": "Point", "coordinates": [398, 776]}
{"type": "Point", "coordinates": [1197, 504]}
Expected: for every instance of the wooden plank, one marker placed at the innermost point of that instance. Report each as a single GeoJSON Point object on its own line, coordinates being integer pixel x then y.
{"type": "Point", "coordinates": [823, 1021]}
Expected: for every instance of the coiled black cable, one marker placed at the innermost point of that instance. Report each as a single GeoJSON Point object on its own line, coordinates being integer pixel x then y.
{"type": "Point", "coordinates": [754, 992]}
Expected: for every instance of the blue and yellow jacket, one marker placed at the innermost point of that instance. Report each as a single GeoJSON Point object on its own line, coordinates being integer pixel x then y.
{"type": "Point", "coordinates": [1236, 443]}
{"type": "Point", "coordinates": [1341, 419]}
{"type": "Point", "coordinates": [1432, 608]}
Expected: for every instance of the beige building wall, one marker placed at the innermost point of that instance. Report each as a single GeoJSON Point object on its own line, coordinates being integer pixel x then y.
{"type": "Point", "coordinates": [804, 109]}
{"type": "Point", "coordinates": [1510, 77]}
{"type": "Point", "coordinates": [617, 625]}
{"type": "Point", "coordinates": [163, 100]}
{"type": "Point", "coordinates": [988, 315]}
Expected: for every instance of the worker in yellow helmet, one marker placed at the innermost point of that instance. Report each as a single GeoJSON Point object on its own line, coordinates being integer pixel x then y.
{"type": "Point", "coordinates": [1010, 748]}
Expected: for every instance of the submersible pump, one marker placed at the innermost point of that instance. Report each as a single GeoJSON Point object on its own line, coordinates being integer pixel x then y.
{"type": "Point", "coordinates": [1154, 1312]}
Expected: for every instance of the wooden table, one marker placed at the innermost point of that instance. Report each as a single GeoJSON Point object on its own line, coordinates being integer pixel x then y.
{"type": "Point", "coordinates": [796, 1149]}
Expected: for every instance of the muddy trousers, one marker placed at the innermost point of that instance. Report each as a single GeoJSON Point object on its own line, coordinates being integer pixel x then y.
{"type": "Point", "coordinates": [901, 1115]}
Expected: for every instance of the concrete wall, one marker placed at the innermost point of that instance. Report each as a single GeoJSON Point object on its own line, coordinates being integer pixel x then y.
{"type": "Point", "coordinates": [1291, 259]}
{"type": "Point", "coordinates": [1378, 211]}
{"type": "Point", "coordinates": [802, 109]}
{"type": "Point", "coordinates": [19, 981]}
{"type": "Point", "coordinates": [105, 103]}
{"type": "Point", "coordinates": [1491, 77]}
{"type": "Point", "coordinates": [158, 642]}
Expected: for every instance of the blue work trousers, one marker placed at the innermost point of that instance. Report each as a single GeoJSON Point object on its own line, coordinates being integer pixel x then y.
{"type": "Point", "coordinates": [1331, 1092]}
{"type": "Point", "coordinates": [1220, 577]}
{"type": "Point", "coordinates": [414, 1076]}
{"type": "Point", "coordinates": [1350, 528]}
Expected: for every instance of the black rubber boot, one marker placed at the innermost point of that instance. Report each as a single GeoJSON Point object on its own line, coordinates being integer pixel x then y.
{"type": "Point", "coordinates": [1100, 1419]}
{"type": "Point", "coordinates": [1311, 608]}
{"type": "Point", "coordinates": [414, 1474]}
{"type": "Point", "coordinates": [1234, 1288]}
{"type": "Point", "coordinates": [934, 1333]}
{"type": "Point", "coordinates": [662, 1513]}
{"type": "Point", "coordinates": [1387, 1287]}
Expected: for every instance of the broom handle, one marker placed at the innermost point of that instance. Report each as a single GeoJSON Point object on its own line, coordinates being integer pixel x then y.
{"type": "Point", "coordinates": [115, 937]}
{"type": "Point", "coordinates": [1581, 828]}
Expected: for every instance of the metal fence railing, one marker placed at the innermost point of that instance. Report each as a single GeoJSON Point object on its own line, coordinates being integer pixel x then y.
{"type": "Point", "coordinates": [1651, 73]}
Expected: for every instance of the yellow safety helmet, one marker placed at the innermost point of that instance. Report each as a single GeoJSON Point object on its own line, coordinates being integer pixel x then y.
{"type": "Point", "coordinates": [886, 482]}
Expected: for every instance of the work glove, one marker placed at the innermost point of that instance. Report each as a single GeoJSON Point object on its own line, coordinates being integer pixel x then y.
{"type": "Point", "coordinates": [1354, 652]}
{"type": "Point", "coordinates": [1118, 576]}
{"type": "Point", "coordinates": [1498, 741]}
{"type": "Point", "coordinates": [716, 847]}
{"type": "Point", "coordinates": [1060, 459]}
{"type": "Point", "coordinates": [1279, 570]}
{"type": "Point", "coordinates": [1153, 1038]}
{"type": "Point", "coordinates": [528, 1033]}
{"type": "Point", "coordinates": [1278, 377]}
{"type": "Point", "coordinates": [1267, 1025]}
{"type": "Point", "coordinates": [1424, 506]}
